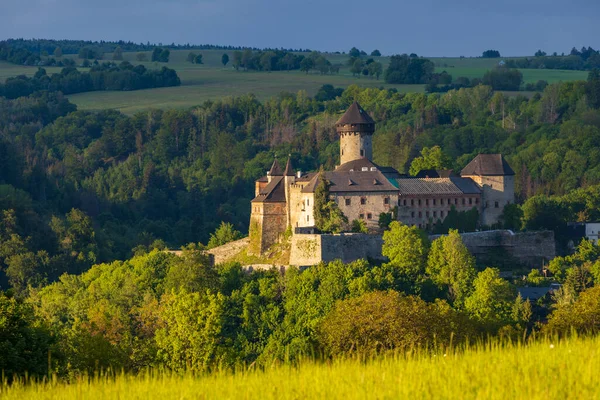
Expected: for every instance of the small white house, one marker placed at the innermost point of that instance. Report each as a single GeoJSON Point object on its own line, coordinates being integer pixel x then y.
{"type": "Point", "coordinates": [591, 231]}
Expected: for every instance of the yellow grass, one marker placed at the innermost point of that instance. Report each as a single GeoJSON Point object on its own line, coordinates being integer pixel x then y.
{"type": "Point", "coordinates": [546, 370]}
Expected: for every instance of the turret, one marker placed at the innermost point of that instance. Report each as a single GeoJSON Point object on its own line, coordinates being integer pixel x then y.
{"type": "Point", "coordinates": [274, 171]}
{"type": "Point", "coordinates": [356, 129]}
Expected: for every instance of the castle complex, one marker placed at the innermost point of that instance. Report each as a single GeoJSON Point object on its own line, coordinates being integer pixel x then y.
{"type": "Point", "coordinates": [363, 190]}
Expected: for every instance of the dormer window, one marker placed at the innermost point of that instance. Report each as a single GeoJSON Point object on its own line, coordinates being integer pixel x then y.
{"type": "Point", "coordinates": [365, 169]}
{"type": "Point", "coordinates": [362, 153]}
{"type": "Point", "coordinates": [373, 169]}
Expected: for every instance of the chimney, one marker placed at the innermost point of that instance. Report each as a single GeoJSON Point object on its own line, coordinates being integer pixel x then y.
{"type": "Point", "coordinates": [299, 174]}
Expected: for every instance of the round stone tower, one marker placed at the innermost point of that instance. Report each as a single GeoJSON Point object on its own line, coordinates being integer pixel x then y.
{"type": "Point", "coordinates": [356, 130]}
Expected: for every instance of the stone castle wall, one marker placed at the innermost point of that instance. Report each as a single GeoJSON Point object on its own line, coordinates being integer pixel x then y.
{"type": "Point", "coordinates": [375, 204]}
{"type": "Point", "coordinates": [268, 223]}
{"type": "Point", "coordinates": [498, 191]}
{"type": "Point", "coordinates": [501, 248]}
{"type": "Point", "coordinates": [312, 249]}
{"type": "Point", "coordinates": [504, 249]}
{"type": "Point", "coordinates": [225, 252]}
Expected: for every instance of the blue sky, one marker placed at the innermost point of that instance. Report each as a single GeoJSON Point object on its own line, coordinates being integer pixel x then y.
{"type": "Point", "coordinates": [425, 27]}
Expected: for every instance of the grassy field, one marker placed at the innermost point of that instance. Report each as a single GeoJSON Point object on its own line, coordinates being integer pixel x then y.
{"type": "Point", "coordinates": [212, 81]}
{"type": "Point", "coordinates": [546, 370]}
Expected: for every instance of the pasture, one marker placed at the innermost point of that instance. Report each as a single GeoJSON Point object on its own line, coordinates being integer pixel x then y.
{"type": "Point", "coordinates": [211, 80]}
{"type": "Point", "coordinates": [545, 370]}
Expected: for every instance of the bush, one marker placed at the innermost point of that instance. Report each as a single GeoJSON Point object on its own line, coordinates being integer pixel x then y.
{"type": "Point", "coordinates": [383, 321]}
{"type": "Point", "coordinates": [582, 316]}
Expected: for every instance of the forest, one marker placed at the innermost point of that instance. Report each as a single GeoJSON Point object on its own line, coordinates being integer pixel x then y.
{"type": "Point", "coordinates": [86, 187]}
{"type": "Point", "coordinates": [80, 190]}
{"type": "Point", "coordinates": [105, 76]}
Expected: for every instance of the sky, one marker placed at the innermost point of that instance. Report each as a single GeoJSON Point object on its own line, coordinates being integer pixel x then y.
{"type": "Point", "coordinates": [431, 28]}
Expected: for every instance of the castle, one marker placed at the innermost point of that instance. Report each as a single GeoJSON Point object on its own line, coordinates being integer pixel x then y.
{"type": "Point", "coordinates": [363, 190]}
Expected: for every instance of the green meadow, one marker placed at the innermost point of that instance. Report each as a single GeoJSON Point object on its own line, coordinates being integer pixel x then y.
{"type": "Point", "coordinates": [544, 370]}
{"type": "Point", "coordinates": [211, 80]}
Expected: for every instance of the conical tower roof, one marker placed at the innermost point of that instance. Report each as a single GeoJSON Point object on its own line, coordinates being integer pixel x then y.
{"type": "Point", "coordinates": [355, 114]}
{"type": "Point", "coordinates": [275, 169]}
{"type": "Point", "coordinates": [289, 171]}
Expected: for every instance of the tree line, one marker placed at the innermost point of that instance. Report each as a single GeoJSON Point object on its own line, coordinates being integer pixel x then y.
{"type": "Point", "coordinates": [181, 313]}
{"type": "Point", "coordinates": [584, 59]}
{"type": "Point", "coordinates": [48, 46]}
{"type": "Point", "coordinates": [105, 76]}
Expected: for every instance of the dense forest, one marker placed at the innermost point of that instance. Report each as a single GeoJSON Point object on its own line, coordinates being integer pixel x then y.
{"type": "Point", "coordinates": [182, 314]}
{"type": "Point", "coordinates": [105, 76]}
{"type": "Point", "coordinates": [84, 187]}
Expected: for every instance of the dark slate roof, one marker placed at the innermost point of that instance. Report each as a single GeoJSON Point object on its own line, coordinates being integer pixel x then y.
{"type": "Point", "coordinates": [533, 293]}
{"type": "Point", "coordinates": [488, 165]}
{"type": "Point", "coordinates": [357, 165]}
{"type": "Point", "coordinates": [275, 169]}
{"type": "Point", "coordinates": [353, 181]}
{"type": "Point", "coordinates": [355, 115]}
{"type": "Point", "coordinates": [443, 186]}
{"type": "Point", "coordinates": [289, 171]}
{"type": "Point", "coordinates": [274, 192]}
{"type": "Point", "coordinates": [435, 173]}
{"type": "Point", "coordinates": [306, 177]}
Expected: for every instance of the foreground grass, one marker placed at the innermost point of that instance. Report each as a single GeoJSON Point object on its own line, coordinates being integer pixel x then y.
{"type": "Point", "coordinates": [546, 370]}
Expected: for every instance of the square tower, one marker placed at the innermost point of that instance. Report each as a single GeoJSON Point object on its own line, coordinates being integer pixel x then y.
{"type": "Point", "coordinates": [497, 181]}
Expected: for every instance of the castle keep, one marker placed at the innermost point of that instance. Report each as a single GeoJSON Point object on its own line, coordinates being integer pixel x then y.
{"type": "Point", "coordinates": [363, 190]}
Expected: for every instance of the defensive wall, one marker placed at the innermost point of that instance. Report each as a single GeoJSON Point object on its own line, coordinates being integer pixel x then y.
{"type": "Point", "coordinates": [311, 249]}
{"type": "Point", "coordinates": [500, 248]}
{"type": "Point", "coordinates": [505, 249]}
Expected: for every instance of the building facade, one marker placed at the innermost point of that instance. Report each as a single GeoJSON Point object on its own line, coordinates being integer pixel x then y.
{"type": "Point", "coordinates": [363, 190]}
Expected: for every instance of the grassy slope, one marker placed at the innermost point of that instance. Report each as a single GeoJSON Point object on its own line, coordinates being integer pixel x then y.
{"type": "Point", "coordinates": [567, 370]}
{"type": "Point", "coordinates": [211, 81]}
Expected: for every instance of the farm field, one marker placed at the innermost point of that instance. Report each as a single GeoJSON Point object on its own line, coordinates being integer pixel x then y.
{"type": "Point", "coordinates": [545, 370]}
{"type": "Point", "coordinates": [211, 80]}
{"type": "Point", "coordinates": [199, 85]}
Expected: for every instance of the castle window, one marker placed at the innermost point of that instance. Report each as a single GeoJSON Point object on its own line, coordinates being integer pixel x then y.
{"type": "Point", "coordinates": [308, 202]}
{"type": "Point", "coordinates": [470, 200]}
{"type": "Point", "coordinates": [434, 202]}
{"type": "Point", "coordinates": [419, 202]}
{"type": "Point", "coordinates": [386, 200]}
{"type": "Point", "coordinates": [464, 202]}
{"type": "Point", "coordinates": [361, 216]}
{"type": "Point", "coordinates": [362, 153]}
{"type": "Point", "coordinates": [307, 218]}
{"type": "Point", "coordinates": [455, 201]}
{"type": "Point", "coordinates": [426, 202]}
{"type": "Point", "coordinates": [412, 202]}
{"type": "Point", "coordinates": [369, 216]}
{"type": "Point", "coordinates": [427, 214]}
{"type": "Point", "coordinates": [348, 201]}
{"type": "Point", "coordinates": [476, 200]}
{"type": "Point", "coordinates": [434, 214]}
{"type": "Point", "coordinates": [363, 201]}
{"type": "Point", "coordinates": [420, 215]}
{"type": "Point", "coordinates": [496, 204]}
{"type": "Point", "coordinates": [404, 201]}
{"type": "Point", "coordinates": [412, 214]}
{"type": "Point", "coordinates": [441, 214]}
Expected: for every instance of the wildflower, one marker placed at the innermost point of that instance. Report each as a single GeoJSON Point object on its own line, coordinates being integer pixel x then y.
{"type": "Point", "coordinates": [551, 346]}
